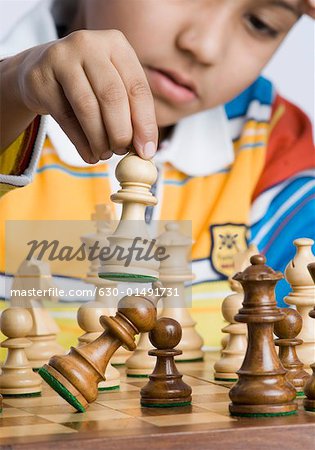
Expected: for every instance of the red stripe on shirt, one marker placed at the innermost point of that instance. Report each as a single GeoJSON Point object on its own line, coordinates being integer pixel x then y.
{"type": "Point", "coordinates": [290, 147]}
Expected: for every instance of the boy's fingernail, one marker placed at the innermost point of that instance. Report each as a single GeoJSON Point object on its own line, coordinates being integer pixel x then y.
{"type": "Point", "coordinates": [149, 150]}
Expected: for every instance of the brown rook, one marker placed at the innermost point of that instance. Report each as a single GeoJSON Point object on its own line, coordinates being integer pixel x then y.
{"type": "Point", "coordinates": [262, 388]}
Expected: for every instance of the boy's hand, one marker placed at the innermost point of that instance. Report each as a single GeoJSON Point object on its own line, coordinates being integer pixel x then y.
{"type": "Point", "coordinates": [94, 86]}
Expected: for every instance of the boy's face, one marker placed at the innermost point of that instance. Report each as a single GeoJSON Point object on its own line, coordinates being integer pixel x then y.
{"type": "Point", "coordinates": [197, 54]}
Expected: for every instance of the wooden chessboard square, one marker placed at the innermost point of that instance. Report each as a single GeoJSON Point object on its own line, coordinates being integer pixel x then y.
{"type": "Point", "coordinates": [209, 398]}
{"type": "Point", "coordinates": [194, 381]}
{"type": "Point", "coordinates": [121, 404]}
{"type": "Point", "coordinates": [20, 420]}
{"type": "Point", "coordinates": [186, 419]}
{"type": "Point", "coordinates": [57, 409]}
{"type": "Point", "coordinates": [121, 427]}
{"type": "Point", "coordinates": [221, 408]}
{"type": "Point", "coordinates": [113, 395]}
{"type": "Point", "coordinates": [35, 430]}
{"type": "Point", "coordinates": [149, 412]}
{"type": "Point", "coordinates": [208, 388]}
{"type": "Point", "coordinates": [126, 387]}
{"type": "Point", "coordinates": [35, 401]}
{"type": "Point", "coordinates": [103, 414]}
{"type": "Point", "coordinates": [9, 411]}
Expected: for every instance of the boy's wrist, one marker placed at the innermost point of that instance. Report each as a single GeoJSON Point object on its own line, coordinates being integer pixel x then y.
{"type": "Point", "coordinates": [15, 116]}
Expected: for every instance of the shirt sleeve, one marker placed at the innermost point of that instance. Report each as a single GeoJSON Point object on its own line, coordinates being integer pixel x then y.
{"type": "Point", "coordinates": [283, 207]}
{"type": "Point", "coordinates": [18, 162]}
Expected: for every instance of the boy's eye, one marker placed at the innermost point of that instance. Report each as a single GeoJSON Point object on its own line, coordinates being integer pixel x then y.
{"type": "Point", "coordinates": [260, 26]}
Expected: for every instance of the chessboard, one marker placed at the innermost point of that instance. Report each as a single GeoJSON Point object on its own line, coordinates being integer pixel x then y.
{"type": "Point", "coordinates": [117, 421]}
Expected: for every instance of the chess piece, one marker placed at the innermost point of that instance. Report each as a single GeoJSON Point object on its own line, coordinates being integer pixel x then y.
{"type": "Point", "coordinates": [241, 261]}
{"type": "Point", "coordinates": [287, 329]}
{"type": "Point", "coordinates": [88, 320]}
{"type": "Point", "coordinates": [132, 253]}
{"type": "Point", "coordinates": [232, 355]}
{"type": "Point", "coordinates": [17, 378]}
{"type": "Point", "coordinates": [224, 341]}
{"type": "Point", "coordinates": [174, 273]}
{"type": "Point", "coordinates": [139, 364]}
{"type": "Point", "coordinates": [166, 387]}
{"type": "Point", "coordinates": [103, 219]}
{"type": "Point", "coordinates": [303, 296]}
{"type": "Point", "coordinates": [262, 388]}
{"type": "Point", "coordinates": [75, 376]}
{"type": "Point", "coordinates": [0, 403]}
{"type": "Point", "coordinates": [309, 388]}
{"type": "Point", "coordinates": [35, 275]}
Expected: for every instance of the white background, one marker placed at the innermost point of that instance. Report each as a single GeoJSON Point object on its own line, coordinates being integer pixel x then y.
{"type": "Point", "coordinates": [292, 68]}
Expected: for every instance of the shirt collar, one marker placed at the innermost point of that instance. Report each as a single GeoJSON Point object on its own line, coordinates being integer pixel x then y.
{"type": "Point", "coordinates": [200, 145]}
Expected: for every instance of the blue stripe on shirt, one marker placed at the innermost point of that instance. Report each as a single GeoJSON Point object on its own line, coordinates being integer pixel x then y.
{"type": "Point", "coordinates": [72, 172]}
{"type": "Point", "coordinates": [295, 222]}
{"type": "Point", "coordinates": [261, 90]}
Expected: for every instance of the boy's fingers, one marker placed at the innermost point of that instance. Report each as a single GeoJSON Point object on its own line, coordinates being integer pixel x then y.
{"type": "Point", "coordinates": [86, 109]}
{"type": "Point", "coordinates": [112, 98]}
{"type": "Point", "coordinates": [145, 131]}
{"type": "Point", "coordinates": [62, 112]}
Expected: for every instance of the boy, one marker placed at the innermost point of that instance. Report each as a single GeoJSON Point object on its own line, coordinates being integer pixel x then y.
{"type": "Point", "coordinates": [233, 157]}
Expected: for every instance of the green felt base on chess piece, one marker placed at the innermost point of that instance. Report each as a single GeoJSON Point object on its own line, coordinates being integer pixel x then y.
{"type": "Point", "coordinates": [309, 409]}
{"type": "Point", "coordinates": [130, 277]}
{"type": "Point", "coordinates": [166, 405]}
{"type": "Point", "coordinates": [110, 388]}
{"type": "Point", "coordinates": [32, 394]}
{"type": "Point", "coordinates": [289, 413]}
{"type": "Point", "coordinates": [131, 375]}
{"type": "Point", "coordinates": [227, 380]}
{"type": "Point", "coordinates": [309, 405]}
{"type": "Point", "coordinates": [179, 361]}
{"type": "Point", "coordinates": [60, 389]}
{"type": "Point", "coordinates": [300, 394]}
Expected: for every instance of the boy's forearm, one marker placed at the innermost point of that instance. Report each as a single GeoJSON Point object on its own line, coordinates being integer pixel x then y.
{"type": "Point", "coordinates": [14, 115]}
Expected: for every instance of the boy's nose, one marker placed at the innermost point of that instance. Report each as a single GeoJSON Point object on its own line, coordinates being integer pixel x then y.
{"type": "Point", "coordinates": [204, 39]}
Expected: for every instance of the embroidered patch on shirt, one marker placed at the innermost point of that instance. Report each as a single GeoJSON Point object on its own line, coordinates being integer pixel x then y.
{"type": "Point", "coordinates": [226, 240]}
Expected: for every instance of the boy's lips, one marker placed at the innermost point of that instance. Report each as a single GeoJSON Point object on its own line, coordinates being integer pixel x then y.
{"type": "Point", "coordinates": [171, 85]}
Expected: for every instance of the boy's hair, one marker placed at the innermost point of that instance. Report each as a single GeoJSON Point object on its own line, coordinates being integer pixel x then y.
{"type": "Point", "coordinates": [63, 12]}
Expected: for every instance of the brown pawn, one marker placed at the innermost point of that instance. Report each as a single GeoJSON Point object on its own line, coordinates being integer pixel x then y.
{"type": "Point", "coordinates": [309, 388]}
{"type": "Point", "coordinates": [165, 388]}
{"type": "Point", "coordinates": [287, 329]}
{"type": "Point", "coordinates": [262, 389]}
{"type": "Point", "coordinates": [76, 376]}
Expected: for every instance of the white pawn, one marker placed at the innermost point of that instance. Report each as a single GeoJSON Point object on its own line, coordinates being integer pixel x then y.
{"type": "Point", "coordinates": [233, 354]}
{"type": "Point", "coordinates": [136, 177]}
{"type": "Point", "coordinates": [35, 275]}
{"type": "Point", "coordinates": [303, 296]}
{"type": "Point", "coordinates": [88, 319]}
{"type": "Point", "coordinates": [17, 377]}
{"type": "Point", "coordinates": [140, 364]}
{"type": "Point", "coordinates": [174, 273]}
